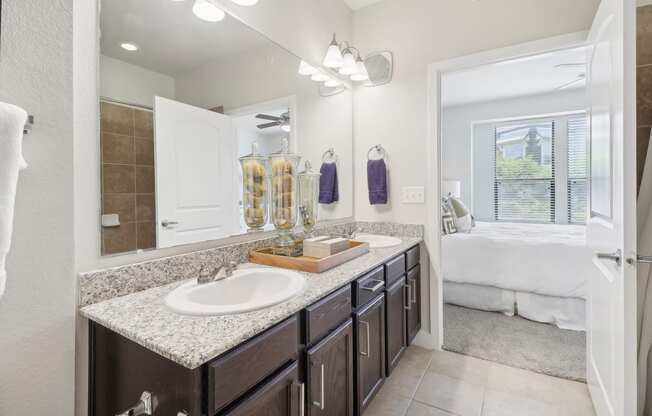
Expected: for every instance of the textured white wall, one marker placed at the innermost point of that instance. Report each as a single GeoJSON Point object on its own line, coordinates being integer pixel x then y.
{"type": "Point", "coordinates": [37, 312]}
{"type": "Point", "coordinates": [132, 84]}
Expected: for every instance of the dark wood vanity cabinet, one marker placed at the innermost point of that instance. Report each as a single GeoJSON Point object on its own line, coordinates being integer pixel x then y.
{"type": "Point", "coordinates": [370, 351]}
{"type": "Point", "coordinates": [328, 360]}
{"type": "Point", "coordinates": [396, 337]}
{"type": "Point", "coordinates": [329, 374]}
{"type": "Point", "coordinates": [414, 303]}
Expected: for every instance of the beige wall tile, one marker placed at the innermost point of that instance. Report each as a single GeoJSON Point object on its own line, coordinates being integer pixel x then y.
{"type": "Point", "coordinates": [118, 179]}
{"type": "Point", "coordinates": [642, 142]}
{"type": "Point", "coordinates": [122, 204]}
{"type": "Point", "coordinates": [144, 124]}
{"type": "Point", "coordinates": [119, 239]}
{"type": "Point", "coordinates": [116, 119]}
{"type": "Point", "coordinates": [644, 35]}
{"type": "Point", "coordinates": [144, 152]}
{"type": "Point", "coordinates": [145, 207]}
{"type": "Point", "coordinates": [144, 180]}
{"type": "Point", "coordinates": [146, 235]}
{"type": "Point", "coordinates": [117, 148]}
{"type": "Point", "coordinates": [644, 96]}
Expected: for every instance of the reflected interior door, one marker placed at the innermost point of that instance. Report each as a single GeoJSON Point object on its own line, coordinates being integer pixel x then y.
{"type": "Point", "coordinates": [195, 165]}
{"type": "Point", "coordinates": [611, 228]}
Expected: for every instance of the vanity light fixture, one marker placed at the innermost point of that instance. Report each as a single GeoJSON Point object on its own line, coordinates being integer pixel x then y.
{"type": "Point", "coordinates": [361, 74]}
{"type": "Point", "coordinates": [245, 2]}
{"type": "Point", "coordinates": [349, 66]}
{"type": "Point", "coordinates": [332, 83]}
{"type": "Point", "coordinates": [319, 77]}
{"type": "Point", "coordinates": [306, 69]}
{"type": "Point", "coordinates": [333, 58]}
{"type": "Point", "coordinates": [207, 11]}
{"type": "Point", "coordinates": [129, 46]}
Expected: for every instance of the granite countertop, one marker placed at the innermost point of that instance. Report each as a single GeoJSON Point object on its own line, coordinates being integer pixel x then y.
{"type": "Point", "coordinates": [191, 341]}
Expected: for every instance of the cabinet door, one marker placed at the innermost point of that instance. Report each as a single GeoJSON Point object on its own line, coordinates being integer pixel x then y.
{"type": "Point", "coordinates": [283, 395]}
{"type": "Point", "coordinates": [396, 303]}
{"type": "Point", "coordinates": [370, 351]}
{"type": "Point", "coordinates": [330, 374]}
{"type": "Point", "coordinates": [414, 302]}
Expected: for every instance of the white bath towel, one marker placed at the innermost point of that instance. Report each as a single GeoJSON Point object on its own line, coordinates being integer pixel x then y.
{"type": "Point", "coordinates": [12, 122]}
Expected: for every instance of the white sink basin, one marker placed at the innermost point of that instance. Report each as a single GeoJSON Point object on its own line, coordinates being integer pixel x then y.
{"type": "Point", "coordinates": [247, 290]}
{"type": "Point", "coordinates": [378, 241]}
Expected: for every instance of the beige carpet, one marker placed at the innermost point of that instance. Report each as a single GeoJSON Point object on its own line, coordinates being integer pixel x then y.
{"type": "Point", "coordinates": [516, 342]}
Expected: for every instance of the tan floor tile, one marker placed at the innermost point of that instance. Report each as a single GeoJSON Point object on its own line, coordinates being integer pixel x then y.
{"type": "Point", "coordinates": [498, 403]}
{"type": "Point", "coordinates": [450, 394]}
{"type": "Point", "coordinates": [523, 383]}
{"type": "Point", "coordinates": [387, 403]}
{"type": "Point", "coordinates": [460, 366]}
{"type": "Point", "coordinates": [405, 379]}
{"type": "Point", "coordinates": [420, 409]}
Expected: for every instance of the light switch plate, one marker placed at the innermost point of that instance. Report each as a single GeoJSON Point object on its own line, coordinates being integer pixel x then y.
{"type": "Point", "coordinates": [413, 195]}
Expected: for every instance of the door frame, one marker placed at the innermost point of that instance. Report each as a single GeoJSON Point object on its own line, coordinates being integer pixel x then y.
{"type": "Point", "coordinates": [433, 232]}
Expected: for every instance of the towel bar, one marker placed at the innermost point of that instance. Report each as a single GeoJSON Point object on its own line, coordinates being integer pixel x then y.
{"type": "Point", "coordinates": [29, 124]}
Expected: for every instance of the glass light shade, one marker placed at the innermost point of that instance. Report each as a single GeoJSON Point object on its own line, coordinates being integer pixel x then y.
{"type": "Point", "coordinates": [319, 77]}
{"type": "Point", "coordinates": [349, 66]}
{"type": "Point", "coordinates": [286, 128]}
{"type": "Point", "coordinates": [361, 74]}
{"type": "Point", "coordinates": [245, 2]}
{"type": "Point", "coordinates": [306, 69]}
{"type": "Point", "coordinates": [207, 11]}
{"type": "Point", "coordinates": [332, 83]}
{"type": "Point", "coordinates": [333, 58]}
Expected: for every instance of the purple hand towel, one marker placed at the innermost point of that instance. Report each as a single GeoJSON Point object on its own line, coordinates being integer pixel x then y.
{"type": "Point", "coordinates": [328, 187]}
{"type": "Point", "coordinates": [377, 181]}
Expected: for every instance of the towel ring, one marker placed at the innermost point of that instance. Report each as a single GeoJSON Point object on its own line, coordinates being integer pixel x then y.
{"type": "Point", "coordinates": [330, 153]}
{"type": "Point", "coordinates": [29, 124]}
{"type": "Point", "coordinates": [377, 148]}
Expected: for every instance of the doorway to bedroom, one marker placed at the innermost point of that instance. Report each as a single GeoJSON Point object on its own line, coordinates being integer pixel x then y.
{"type": "Point", "coordinates": [514, 206]}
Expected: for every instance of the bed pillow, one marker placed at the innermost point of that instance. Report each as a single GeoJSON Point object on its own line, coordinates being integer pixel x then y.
{"type": "Point", "coordinates": [463, 218]}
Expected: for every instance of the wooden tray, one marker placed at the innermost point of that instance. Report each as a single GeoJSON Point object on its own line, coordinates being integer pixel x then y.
{"type": "Point", "coordinates": [308, 264]}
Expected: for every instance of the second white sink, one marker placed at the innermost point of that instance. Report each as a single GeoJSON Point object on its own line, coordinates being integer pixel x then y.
{"type": "Point", "coordinates": [247, 290]}
{"type": "Point", "coordinates": [378, 241]}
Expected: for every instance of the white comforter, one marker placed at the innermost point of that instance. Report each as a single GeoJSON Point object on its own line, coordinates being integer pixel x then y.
{"type": "Point", "coordinates": [540, 258]}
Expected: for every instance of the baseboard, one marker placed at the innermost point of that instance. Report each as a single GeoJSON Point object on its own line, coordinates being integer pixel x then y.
{"type": "Point", "coordinates": [425, 340]}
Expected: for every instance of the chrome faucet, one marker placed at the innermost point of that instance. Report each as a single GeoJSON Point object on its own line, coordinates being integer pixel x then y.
{"type": "Point", "coordinates": [219, 273]}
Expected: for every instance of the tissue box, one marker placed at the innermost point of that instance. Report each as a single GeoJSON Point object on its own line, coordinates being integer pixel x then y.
{"type": "Point", "coordinates": [321, 247]}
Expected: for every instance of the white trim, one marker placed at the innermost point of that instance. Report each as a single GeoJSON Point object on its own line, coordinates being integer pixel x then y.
{"type": "Point", "coordinates": [433, 148]}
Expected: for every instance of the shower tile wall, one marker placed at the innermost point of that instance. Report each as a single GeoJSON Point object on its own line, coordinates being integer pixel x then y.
{"type": "Point", "coordinates": [643, 85]}
{"type": "Point", "coordinates": [127, 140]}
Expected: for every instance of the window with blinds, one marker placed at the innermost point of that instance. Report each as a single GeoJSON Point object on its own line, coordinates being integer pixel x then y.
{"type": "Point", "coordinates": [524, 184]}
{"type": "Point", "coordinates": [577, 169]}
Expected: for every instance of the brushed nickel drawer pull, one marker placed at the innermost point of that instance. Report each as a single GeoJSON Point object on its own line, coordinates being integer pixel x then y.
{"type": "Point", "coordinates": [413, 291]}
{"type": "Point", "coordinates": [320, 403]}
{"type": "Point", "coordinates": [379, 284]}
{"type": "Point", "coordinates": [366, 353]}
{"type": "Point", "coordinates": [407, 298]}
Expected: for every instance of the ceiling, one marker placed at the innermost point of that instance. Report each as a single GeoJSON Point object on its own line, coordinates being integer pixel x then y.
{"type": "Point", "coordinates": [169, 36]}
{"type": "Point", "coordinates": [520, 77]}
{"type": "Point", "coordinates": [359, 4]}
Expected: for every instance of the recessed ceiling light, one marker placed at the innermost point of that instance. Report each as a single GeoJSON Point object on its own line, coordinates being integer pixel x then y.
{"type": "Point", "coordinates": [128, 46]}
{"type": "Point", "coordinates": [245, 2]}
{"type": "Point", "coordinates": [207, 11]}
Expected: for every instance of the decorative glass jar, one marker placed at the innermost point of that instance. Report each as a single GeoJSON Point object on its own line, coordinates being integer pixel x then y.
{"type": "Point", "coordinates": [254, 189]}
{"type": "Point", "coordinates": [308, 198]}
{"type": "Point", "coordinates": [284, 193]}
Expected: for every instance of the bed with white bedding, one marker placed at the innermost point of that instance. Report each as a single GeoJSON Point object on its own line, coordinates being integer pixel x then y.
{"type": "Point", "coordinates": [536, 270]}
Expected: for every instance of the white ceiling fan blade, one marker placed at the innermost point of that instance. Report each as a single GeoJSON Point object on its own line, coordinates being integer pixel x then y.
{"type": "Point", "coordinates": [568, 84]}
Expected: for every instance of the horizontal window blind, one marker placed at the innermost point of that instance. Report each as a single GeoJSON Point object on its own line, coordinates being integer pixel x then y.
{"type": "Point", "coordinates": [524, 184]}
{"type": "Point", "coordinates": [577, 169]}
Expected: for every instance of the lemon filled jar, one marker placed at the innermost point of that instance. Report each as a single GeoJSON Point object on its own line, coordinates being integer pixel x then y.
{"type": "Point", "coordinates": [284, 193]}
{"type": "Point", "coordinates": [254, 189]}
{"type": "Point", "coordinates": [308, 198]}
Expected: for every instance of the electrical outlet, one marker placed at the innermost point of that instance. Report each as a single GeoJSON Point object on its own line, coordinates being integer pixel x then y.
{"type": "Point", "coordinates": [413, 195]}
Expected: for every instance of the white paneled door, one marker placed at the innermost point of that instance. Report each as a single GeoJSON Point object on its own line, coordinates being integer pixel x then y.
{"type": "Point", "coordinates": [611, 228]}
{"type": "Point", "coordinates": [195, 164]}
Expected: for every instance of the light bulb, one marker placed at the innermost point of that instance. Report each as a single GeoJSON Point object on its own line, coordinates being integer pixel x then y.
{"type": "Point", "coordinates": [245, 2]}
{"type": "Point", "coordinates": [207, 11]}
{"type": "Point", "coordinates": [333, 58]}
{"type": "Point", "coordinates": [361, 74]}
{"type": "Point", "coordinates": [319, 77]}
{"type": "Point", "coordinates": [286, 128]}
{"type": "Point", "coordinates": [349, 66]}
{"type": "Point", "coordinates": [306, 69]}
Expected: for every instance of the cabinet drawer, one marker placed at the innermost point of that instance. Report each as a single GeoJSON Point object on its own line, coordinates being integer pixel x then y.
{"type": "Point", "coordinates": [327, 314]}
{"type": "Point", "coordinates": [238, 371]}
{"type": "Point", "coordinates": [412, 257]}
{"type": "Point", "coordinates": [368, 286]}
{"type": "Point", "coordinates": [394, 269]}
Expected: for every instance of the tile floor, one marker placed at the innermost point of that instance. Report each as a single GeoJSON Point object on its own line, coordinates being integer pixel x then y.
{"type": "Point", "coordinates": [442, 383]}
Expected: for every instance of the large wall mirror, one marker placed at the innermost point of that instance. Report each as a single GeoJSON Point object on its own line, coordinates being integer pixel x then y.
{"type": "Point", "coordinates": [181, 99]}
